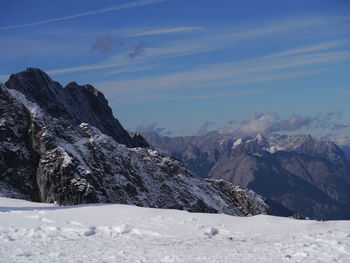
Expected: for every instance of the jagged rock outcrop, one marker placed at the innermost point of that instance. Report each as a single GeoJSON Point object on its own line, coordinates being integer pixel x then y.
{"type": "Point", "coordinates": [78, 103]}
{"type": "Point", "coordinates": [295, 173]}
{"type": "Point", "coordinates": [47, 155]}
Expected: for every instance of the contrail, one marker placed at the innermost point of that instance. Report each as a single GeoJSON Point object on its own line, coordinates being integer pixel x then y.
{"type": "Point", "coordinates": [104, 10]}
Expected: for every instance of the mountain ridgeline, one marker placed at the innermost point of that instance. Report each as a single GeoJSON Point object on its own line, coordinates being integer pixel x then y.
{"type": "Point", "coordinates": [297, 174]}
{"type": "Point", "coordinates": [73, 102]}
{"type": "Point", "coordinates": [63, 144]}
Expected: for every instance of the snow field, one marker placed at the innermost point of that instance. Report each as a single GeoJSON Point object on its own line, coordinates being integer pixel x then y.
{"type": "Point", "coordinates": [36, 232]}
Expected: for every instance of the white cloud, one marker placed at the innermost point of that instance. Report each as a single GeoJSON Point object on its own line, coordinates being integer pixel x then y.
{"type": "Point", "coordinates": [160, 31]}
{"type": "Point", "coordinates": [266, 123]}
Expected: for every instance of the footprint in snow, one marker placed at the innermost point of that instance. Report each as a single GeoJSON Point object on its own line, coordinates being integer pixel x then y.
{"type": "Point", "coordinates": [91, 231]}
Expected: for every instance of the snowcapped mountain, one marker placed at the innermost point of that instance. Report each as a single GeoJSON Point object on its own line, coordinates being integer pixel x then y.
{"type": "Point", "coordinates": [62, 144]}
{"type": "Point", "coordinates": [296, 173]}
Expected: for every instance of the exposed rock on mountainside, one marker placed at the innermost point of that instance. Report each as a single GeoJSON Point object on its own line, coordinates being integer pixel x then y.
{"type": "Point", "coordinates": [296, 173]}
{"type": "Point", "coordinates": [53, 151]}
{"type": "Point", "coordinates": [76, 103]}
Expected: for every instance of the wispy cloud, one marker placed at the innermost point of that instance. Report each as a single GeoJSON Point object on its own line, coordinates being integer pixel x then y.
{"type": "Point", "coordinates": [130, 69]}
{"type": "Point", "coordinates": [241, 72]}
{"type": "Point", "coordinates": [82, 68]}
{"type": "Point", "coordinates": [105, 44]}
{"type": "Point", "coordinates": [323, 46]}
{"type": "Point", "coordinates": [266, 123]}
{"type": "Point", "coordinates": [161, 31]}
{"type": "Point", "coordinates": [213, 41]}
{"type": "Point", "coordinates": [137, 51]}
{"type": "Point", "coordinates": [136, 98]}
{"type": "Point", "coordinates": [332, 120]}
{"type": "Point", "coordinates": [205, 127]}
{"type": "Point", "coordinates": [152, 127]}
{"type": "Point", "coordinates": [89, 13]}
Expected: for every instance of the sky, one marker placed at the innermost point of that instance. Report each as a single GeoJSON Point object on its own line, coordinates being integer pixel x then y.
{"type": "Point", "coordinates": [184, 67]}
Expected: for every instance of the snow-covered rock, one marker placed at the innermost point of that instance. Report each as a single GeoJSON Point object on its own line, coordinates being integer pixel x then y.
{"type": "Point", "coordinates": [47, 156]}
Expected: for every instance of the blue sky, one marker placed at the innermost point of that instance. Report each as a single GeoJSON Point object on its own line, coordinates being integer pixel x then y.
{"type": "Point", "coordinates": [178, 64]}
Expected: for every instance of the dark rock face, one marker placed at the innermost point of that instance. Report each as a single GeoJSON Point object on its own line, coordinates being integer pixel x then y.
{"type": "Point", "coordinates": [17, 157]}
{"type": "Point", "coordinates": [47, 155]}
{"type": "Point", "coordinates": [138, 140]}
{"type": "Point", "coordinates": [78, 103]}
{"type": "Point", "coordinates": [295, 173]}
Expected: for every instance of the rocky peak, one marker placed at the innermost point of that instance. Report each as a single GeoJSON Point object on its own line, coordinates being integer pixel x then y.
{"type": "Point", "coordinates": [78, 103]}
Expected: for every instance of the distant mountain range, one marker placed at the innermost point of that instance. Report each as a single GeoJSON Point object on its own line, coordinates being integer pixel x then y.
{"type": "Point", "coordinates": [62, 144]}
{"type": "Point", "coordinates": [297, 174]}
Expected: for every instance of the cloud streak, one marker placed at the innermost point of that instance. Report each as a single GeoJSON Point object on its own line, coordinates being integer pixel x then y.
{"type": "Point", "coordinates": [95, 12]}
{"type": "Point", "coordinates": [202, 44]}
{"type": "Point", "coordinates": [136, 98]}
{"type": "Point", "coordinates": [241, 72]}
{"type": "Point", "coordinates": [162, 31]}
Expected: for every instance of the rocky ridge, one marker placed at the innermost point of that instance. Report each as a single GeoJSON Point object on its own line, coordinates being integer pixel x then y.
{"type": "Point", "coordinates": [51, 152]}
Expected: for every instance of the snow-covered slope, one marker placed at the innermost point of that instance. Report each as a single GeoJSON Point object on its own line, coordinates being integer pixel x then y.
{"type": "Point", "coordinates": [51, 157]}
{"type": "Point", "coordinates": [35, 232]}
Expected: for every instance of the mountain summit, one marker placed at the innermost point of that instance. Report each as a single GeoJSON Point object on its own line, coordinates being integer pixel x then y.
{"type": "Point", "coordinates": [74, 102]}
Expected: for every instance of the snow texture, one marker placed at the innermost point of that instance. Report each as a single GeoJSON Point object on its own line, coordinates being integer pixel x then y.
{"type": "Point", "coordinates": [36, 232]}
